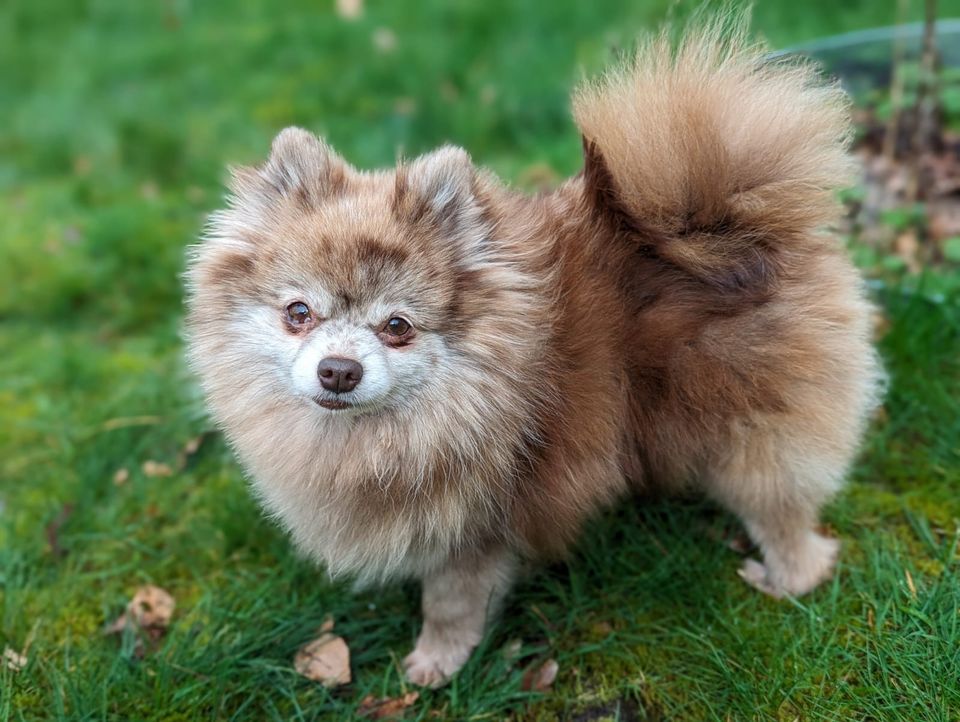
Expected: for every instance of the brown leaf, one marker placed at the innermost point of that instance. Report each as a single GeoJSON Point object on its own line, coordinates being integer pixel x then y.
{"type": "Point", "coordinates": [385, 707]}
{"type": "Point", "coordinates": [325, 660]}
{"type": "Point", "coordinates": [150, 611]}
{"type": "Point", "coordinates": [539, 678]}
{"type": "Point", "coordinates": [193, 445]}
{"type": "Point", "coordinates": [907, 246]}
{"type": "Point", "coordinates": [349, 9]}
{"type": "Point", "coordinates": [943, 219]}
{"type": "Point", "coordinates": [190, 450]}
{"type": "Point", "coordinates": [155, 468]}
{"type": "Point", "coordinates": [121, 476]}
{"type": "Point", "coordinates": [13, 660]}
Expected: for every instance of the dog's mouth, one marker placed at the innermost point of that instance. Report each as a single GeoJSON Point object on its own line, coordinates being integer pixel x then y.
{"type": "Point", "coordinates": [332, 404]}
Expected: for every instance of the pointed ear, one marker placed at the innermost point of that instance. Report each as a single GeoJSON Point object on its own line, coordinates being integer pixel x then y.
{"type": "Point", "coordinates": [439, 189]}
{"type": "Point", "coordinates": [300, 167]}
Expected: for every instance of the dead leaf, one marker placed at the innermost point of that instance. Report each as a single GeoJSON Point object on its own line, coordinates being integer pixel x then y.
{"type": "Point", "coordinates": [149, 611]}
{"type": "Point", "coordinates": [907, 247]}
{"type": "Point", "coordinates": [386, 707]}
{"type": "Point", "coordinates": [539, 678]}
{"type": "Point", "coordinates": [325, 660]}
{"type": "Point", "coordinates": [190, 450]}
{"type": "Point", "coordinates": [155, 468]}
{"type": "Point", "coordinates": [13, 660]}
{"type": "Point", "coordinates": [349, 9]}
{"type": "Point", "coordinates": [943, 219]}
{"type": "Point", "coordinates": [121, 476]}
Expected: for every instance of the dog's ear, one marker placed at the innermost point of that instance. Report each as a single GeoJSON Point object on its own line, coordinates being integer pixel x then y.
{"type": "Point", "coordinates": [301, 167]}
{"type": "Point", "coordinates": [438, 189]}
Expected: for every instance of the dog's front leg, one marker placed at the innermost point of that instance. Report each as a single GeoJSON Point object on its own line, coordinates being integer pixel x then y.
{"type": "Point", "coordinates": [458, 599]}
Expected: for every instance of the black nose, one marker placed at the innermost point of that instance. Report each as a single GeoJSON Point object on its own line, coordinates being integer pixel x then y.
{"type": "Point", "coordinates": [339, 374]}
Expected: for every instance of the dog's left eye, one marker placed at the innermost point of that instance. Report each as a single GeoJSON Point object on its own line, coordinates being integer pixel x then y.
{"type": "Point", "coordinates": [397, 326]}
{"type": "Point", "coordinates": [298, 313]}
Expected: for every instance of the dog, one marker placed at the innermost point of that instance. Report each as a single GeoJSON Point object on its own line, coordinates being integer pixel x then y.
{"type": "Point", "coordinates": [429, 375]}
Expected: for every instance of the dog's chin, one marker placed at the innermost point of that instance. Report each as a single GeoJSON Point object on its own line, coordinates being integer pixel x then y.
{"type": "Point", "coordinates": [333, 404]}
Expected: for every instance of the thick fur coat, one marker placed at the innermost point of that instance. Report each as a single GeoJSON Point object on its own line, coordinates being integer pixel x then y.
{"type": "Point", "coordinates": [677, 314]}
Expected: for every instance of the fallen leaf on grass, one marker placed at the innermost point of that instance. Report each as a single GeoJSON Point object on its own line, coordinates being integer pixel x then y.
{"type": "Point", "coordinates": [155, 468]}
{"type": "Point", "coordinates": [907, 247]}
{"type": "Point", "coordinates": [149, 611]}
{"type": "Point", "coordinates": [190, 449]}
{"type": "Point", "coordinates": [13, 660]}
{"type": "Point", "coordinates": [325, 660]}
{"type": "Point", "coordinates": [349, 9]}
{"type": "Point", "coordinates": [539, 678]}
{"type": "Point", "coordinates": [121, 476]}
{"type": "Point", "coordinates": [386, 707]}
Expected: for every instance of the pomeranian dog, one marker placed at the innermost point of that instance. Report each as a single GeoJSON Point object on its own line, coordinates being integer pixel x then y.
{"type": "Point", "coordinates": [429, 375]}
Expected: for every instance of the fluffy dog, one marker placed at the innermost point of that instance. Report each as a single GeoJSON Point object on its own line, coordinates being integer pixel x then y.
{"type": "Point", "coordinates": [427, 374]}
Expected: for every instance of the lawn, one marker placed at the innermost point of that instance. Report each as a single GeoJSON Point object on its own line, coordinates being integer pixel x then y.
{"type": "Point", "coordinates": [118, 119]}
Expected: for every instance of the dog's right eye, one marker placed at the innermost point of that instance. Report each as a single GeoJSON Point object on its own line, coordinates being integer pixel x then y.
{"type": "Point", "coordinates": [298, 313]}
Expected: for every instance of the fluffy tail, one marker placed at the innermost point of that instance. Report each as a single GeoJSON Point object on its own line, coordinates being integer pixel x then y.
{"type": "Point", "coordinates": [715, 154]}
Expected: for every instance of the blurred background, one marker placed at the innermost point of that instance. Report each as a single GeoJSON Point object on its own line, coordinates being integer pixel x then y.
{"type": "Point", "coordinates": [117, 121]}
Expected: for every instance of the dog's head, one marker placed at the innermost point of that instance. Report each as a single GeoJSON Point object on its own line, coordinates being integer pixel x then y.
{"type": "Point", "coordinates": [353, 293]}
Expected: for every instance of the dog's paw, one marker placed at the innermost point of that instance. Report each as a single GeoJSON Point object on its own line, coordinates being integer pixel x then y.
{"type": "Point", "coordinates": [814, 565]}
{"type": "Point", "coordinates": [755, 574]}
{"type": "Point", "coordinates": [422, 670]}
{"type": "Point", "coordinates": [429, 667]}
{"type": "Point", "coordinates": [796, 573]}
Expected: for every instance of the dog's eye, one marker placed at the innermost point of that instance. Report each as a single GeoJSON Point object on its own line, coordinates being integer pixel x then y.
{"type": "Point", "coordinates": [397, 326]}
{"type": "Point", "coordinates": [298, 313]}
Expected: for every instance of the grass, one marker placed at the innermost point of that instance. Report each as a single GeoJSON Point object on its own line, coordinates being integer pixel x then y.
{"type": "Point", "coordinates": [118, 121]}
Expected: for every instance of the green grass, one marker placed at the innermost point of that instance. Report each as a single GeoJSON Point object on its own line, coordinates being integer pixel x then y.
{"type": "Point", "coordinates": [118, 120]}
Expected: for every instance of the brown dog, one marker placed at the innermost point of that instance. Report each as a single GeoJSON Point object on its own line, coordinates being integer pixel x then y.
{"type": "Point", "coordinates": [430, 375]}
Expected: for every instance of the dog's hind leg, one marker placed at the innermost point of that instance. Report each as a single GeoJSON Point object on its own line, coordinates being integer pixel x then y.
{"type": "Point", "coordinates": [777, 486]}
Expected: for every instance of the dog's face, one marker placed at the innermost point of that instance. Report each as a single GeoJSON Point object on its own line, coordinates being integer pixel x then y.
{"type": "Point", "coordinates": [347, 292]}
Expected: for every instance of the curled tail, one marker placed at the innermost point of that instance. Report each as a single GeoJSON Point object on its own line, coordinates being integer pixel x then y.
{"type": "Point", "coordinates": [716, 155]}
